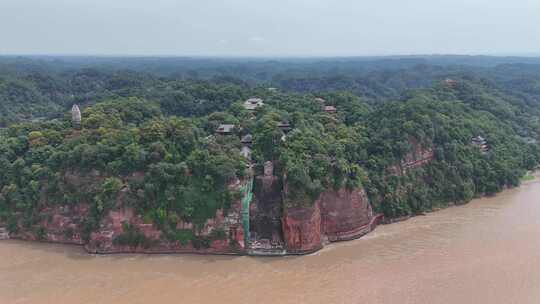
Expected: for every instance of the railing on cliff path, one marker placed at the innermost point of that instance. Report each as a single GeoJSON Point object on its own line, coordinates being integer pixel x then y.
{"type": "Point", "coordinates": [247, 191]}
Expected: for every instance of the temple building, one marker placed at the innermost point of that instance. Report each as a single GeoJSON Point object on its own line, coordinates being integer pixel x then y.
{"type": "Point", "coordinates": [330, 109]}
{"type": "Point", "coordinates": [284, 126]}
{"type": "Point", "coordinates": [225, 129]}
{"type": "Point", "coordinates": [253, 103]}
{"type": "Point", "coordinates": [481, 143]}
{"type": "Point", "coordinates": [450, 83]}
{"type": "Point", "coordinates": [320, 100]}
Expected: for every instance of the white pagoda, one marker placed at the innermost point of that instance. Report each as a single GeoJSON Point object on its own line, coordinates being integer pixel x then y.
{"type": "Point", "coordinates": [76, 115]}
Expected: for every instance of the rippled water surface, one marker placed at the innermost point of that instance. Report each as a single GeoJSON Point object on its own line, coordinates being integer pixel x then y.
{"type": "Point", "coordinates": [485, 252]}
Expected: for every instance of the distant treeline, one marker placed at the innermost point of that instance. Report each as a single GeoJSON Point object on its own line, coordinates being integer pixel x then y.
{"type": "Point", "coordinates": [37, 87]}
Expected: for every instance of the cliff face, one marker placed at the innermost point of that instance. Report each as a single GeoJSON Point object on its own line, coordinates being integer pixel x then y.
{"type": "Point", "coordinates": [345, 214]}
{"type": "Point", "coordinates": [65, 224]}
{"type": "Point", "coordinates": [265, 212]}
{"type": "Point", "coordinates": [62, 225]}
{"type": "Point", "coordinates": [59, 224]}
{"type": "Point", "coordinates": [112, 227]}
{"type": "Point", "coordinates": [417, 157]}
{"type": "Point", "coordinates": [302, 229]}
{"type": "Point", "coordinates": [335, 216]}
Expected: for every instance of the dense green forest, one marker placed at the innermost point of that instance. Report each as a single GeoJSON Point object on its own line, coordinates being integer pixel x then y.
{"type": "Point", "coordinates": [150, 128]}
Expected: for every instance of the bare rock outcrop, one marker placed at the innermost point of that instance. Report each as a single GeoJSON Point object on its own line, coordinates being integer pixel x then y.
{"type": "Point", "coordinates": [103, 240]}
{"type": "Point", "coordinates": [302, 229]}
{"type": "Point", "coordinates": [345, 214]}
{"type": "Point", "coordinates": [221, 234]}
{"type": "Point", "coordinates": [335, 216]}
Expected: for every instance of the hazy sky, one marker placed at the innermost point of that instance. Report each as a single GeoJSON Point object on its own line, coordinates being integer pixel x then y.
{"type": "Point", "coordinates": [269, 27]}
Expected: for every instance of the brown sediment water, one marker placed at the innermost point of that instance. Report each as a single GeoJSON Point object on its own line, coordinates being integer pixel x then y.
{"type": "Point", "coordinates": [487, 251]}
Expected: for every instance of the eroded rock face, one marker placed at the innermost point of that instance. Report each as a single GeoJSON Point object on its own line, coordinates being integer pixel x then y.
{"type": "Point", "coordinates": [344, 214]}
{"type": "Point", "coordinates": [335, 216]}
{"type": "Point", "coordinates": [102, 241]}
{"type": "Point", "coordinates": [302, 229]}
{"type": "Point", "coordinates": [64, 224]}
{"type": "Point", "coordinates": [59, 224]}
{"type": "Point", "coordinates": [265, 208]}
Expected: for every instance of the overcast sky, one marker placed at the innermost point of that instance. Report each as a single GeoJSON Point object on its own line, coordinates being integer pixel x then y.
{"type": "Point", "coordinates": [269, 27]}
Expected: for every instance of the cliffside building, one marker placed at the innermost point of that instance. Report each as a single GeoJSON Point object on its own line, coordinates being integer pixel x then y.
{"type": "Point", "coordinates": [225, 129]}
{"type": "Point", "coordinates": [450, 83]}
{"type": "Point", "coordinates": [481, 143]}
{"type": "Point", "coordinates": [320, 101]}
{"type": "Point", "coordinates": [330, 109]}
{"type": "Point", "coordinates": [253, 103]}
{"type": "Point", "coordinates": [284, 126]}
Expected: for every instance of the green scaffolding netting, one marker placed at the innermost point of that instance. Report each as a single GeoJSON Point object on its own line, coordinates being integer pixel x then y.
{"type": "Point", "coordinates": [247, 191]}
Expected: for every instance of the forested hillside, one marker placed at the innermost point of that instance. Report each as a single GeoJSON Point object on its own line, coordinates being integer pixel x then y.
{"type": "Point", "coordinates": [407, 136]}
{"type": "Point", "coordinates": [44, 87]}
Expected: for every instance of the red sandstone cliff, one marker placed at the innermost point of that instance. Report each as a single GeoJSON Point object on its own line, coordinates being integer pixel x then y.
{"type": "Point", "coordinates": [102, 241]}
{"type": "Point", "coordinates": [335, 215]}
{"type": "Point", "coordinates": [63, 224]}
{"type": "Point", "coordinates": [345, 214]}
{"type": "Point", "coordinates": [59, 224]}
{"type": "Point", "coordinates": [302, 229]}
{"type": "Point", "coordinates": [111, 227]}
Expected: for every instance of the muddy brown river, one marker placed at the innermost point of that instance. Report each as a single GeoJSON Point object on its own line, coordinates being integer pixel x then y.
{"type": "Point", "coordinates": [485, 252]}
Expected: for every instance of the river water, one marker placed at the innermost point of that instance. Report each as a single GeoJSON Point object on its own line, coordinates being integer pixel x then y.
{"type": "Point", "coordinates": [487, 251]}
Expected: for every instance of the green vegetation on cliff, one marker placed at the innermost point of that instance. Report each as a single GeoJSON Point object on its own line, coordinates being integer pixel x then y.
{"type": "Point", "coordinates": [168, 169]}
{"type": "Point", "coordinates": [150, 143]}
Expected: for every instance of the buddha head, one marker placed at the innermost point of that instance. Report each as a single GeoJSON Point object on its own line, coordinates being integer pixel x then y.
{"type": "Point", "coordinates": [268, 168]}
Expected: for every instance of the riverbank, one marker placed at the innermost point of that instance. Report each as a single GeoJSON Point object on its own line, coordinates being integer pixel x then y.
{"type": "Point", "coordinates": [529, 177]}
{"type": "Point", "coordinates": [339, 237]}
{"type": "Point", "coordinates": [348, 236]}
